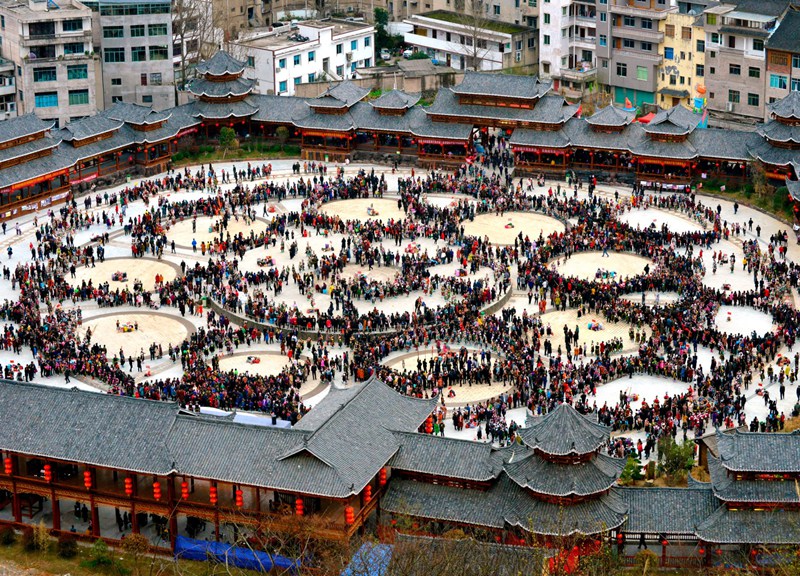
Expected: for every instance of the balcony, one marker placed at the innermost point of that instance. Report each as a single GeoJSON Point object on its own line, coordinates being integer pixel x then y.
{"type": "Point", "coordinates": [7, 89]}
{"type": "Point", "coordinates": [578, 75]}
{"type": "Point", "coordinates": [643, 34]}
{"type": "Point", "coordinates": [652, 57]}
{"type": "Point", "coordinates": [587, 42]}
{"type": "Point", "coordinates": [652, 13]}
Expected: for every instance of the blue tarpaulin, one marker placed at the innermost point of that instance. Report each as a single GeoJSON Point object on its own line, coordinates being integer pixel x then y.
{"type": "Point", "coordinates": [370, 560]}
{"type": "Point", "coordinates": [190, 549]}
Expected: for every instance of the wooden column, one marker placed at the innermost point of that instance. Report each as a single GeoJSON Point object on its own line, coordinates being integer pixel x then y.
{"type": "Point", "coordinates": [173, 514]}
{"type": "Point", "coordinates": [56, 511]}
{"type": "Point", "coordinates": [95, 517]}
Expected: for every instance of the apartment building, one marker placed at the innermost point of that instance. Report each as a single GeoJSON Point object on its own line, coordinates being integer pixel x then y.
{"type": "Point", "coordinates": [136, 40]}
{"type": "Point", "coordinates": [195, 37]}
{"type": "Point", "coordinates": [466, 43]}
{"type": "Point", "coordinates": [736, 65]}
{"type": "Point", "coordinates": [310, 51]}
{"type": "Point", "coordinates": [567, 45]}
{"type": "Point", "coordinates": [522, 12]}
{"type": "Point", "coordinates": [629, 37]}
{"type": "Point", "coordinates": [48, 46]}
{"type": "Point", "coordinates": [682, 71]}
{"type": "Point", "coordinates": [783, 59]}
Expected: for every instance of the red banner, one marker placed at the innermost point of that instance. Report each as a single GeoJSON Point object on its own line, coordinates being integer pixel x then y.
{"type": "Point", "coordinates": [39, 180]}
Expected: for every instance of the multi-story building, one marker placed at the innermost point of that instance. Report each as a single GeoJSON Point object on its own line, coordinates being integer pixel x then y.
{"type": "Point", "coordinates": [195, 36]}
{"type": "Point", "coordinates": [682, 71]}
{"type": "Point", "coordinates": [628, 40]}
{"type": "Point", "coordinates": [525, 12]}
{"type": "Point", "coordinates": [310, 51]}
{"type": "Point", "coordinates": [468, 43]}
{"type": "Point", "coordinates": [783, 58]}
{"type": "Point", "coordinates": [736, 69]}
{"type": "Point", "coordinates": [136, 39]}
{"type": "Point", "coordinates": [567, 45]}
{"type": "Point", "coordinates": [51, 52]}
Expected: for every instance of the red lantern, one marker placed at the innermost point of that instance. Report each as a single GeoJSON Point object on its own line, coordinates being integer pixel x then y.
{"type": "Point", "coordinates": [382, 477]}
{"type": "Point", "coordinates": [620, 538]}
{"type": "Point", "coordinates": [129, 486]}
{"type": "Point", "coordinates": [429, 425]}
{"type": "Point", "coordinates": [185, 490]}
{"type": "Point", "coordinates": [349, 515]}
{"type": "Point", "coordinates": [719, 551]}
{"type": "Point", "coordinates": [701, 551]}
{"type": "Point", "coordinates": [87, 479]}
{"type": "Point", "coordinates": [157, 490]}
{"type": "Point", "coordinates": [239, 498]}
{"type": "Point", "coordinates": [664, 542]}
{"type": "Point", "coordinates": [8, 466]}
{"type": "Point", "coordinates": [299, 507]}
{"type": "Point", "coordinates": [212, 495]}
{"type": "Point", "coordinates": [367, 493]}
{"type": "Point", "coordinates": [48, 473]}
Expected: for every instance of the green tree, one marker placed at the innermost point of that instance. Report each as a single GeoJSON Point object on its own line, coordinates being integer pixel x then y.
{"type": "Point", "coordinates": [136, 546]}
{"type": "Point", "coordinates": [674, 460]}
{"type": "Point", "coordinates": [381, 16]}
{"type": "Point", "coordinates": [227, 139]}
{"type": "Point", "coordinates": [282, 134]}
{"type": "Point", "coordinates": [631, 472]}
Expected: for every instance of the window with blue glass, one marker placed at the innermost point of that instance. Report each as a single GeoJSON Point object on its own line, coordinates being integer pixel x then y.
{"type": "Point", "coordinates": [46, 99]}
{"type": "Point", "coordinates": [282, 86]}
{"type": "Point", "coordinates": [353, 44]}
{"type": "Point", "coordinates": [669, 53]}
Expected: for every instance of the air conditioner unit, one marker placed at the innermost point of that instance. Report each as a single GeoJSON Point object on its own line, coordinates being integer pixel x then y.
{"type": "Point", "coordinates": [349, 56]}
{"type": "Point", "coordinates": [730, 107]}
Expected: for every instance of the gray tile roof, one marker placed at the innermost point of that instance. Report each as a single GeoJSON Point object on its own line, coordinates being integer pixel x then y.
{"type": "Point", "coordinates": [581, 134]}
{"type": "Point", "coordinates": [366, 117]}
{"type": "Point", "coordinates": [753, 452]}
{"type": "Point", "coordinates": [769, 154]}
{"type": "Point", "coordinates": [762, 7]}
{"type": "Point", "coordinates": [237, 87]}
{"type": "Point", "coordinates": [724, 144]}
{"type": "Point", "coordinates": [335, 122]}
{"type": "Point", "coordinates": [611, 116]}
{"type": "Point", "coordinates": [223, 110]}
{"type": "Point", "coordinates": [89, 126]}
{"type": "Point", "coordinates": [561, 480]}
{"type": "Point", "coordinates": [643, 145]}
{"type": "Point", "coordinates": [423, 127]}
{"type": "Point", "coordinates": [728, 489]}
{"type": "Point", "coordinates": [86, 427]}
{"type": "Point", "coordinates": [780, 132]}
{"type": "Point", "coordinates": [677, 120]}
{"type": "Point", "coordinates": [786, 38]}
{"type": "Point", "coordinates": [451, 458]}
{"type": "Point", "coordinates": [23, 126]}
{"type": "Point", "coordinates": [667, 510]}
{"type": "Point", "coordinates": [542, 138]}
{"type": "Point", "coordinates": [743, 526]}
{"type": "Point", "coordinates": [343, 95]}
{"type": "Point", "coordinates": [502, 85]}
{"type": "Point", "coordinates": [137, 114]}
{"type": "Point", "coordinates": [550, 109]}
{"type": "Point", "coordinates": [278, 109]}
{"type": "Point", "coordinates": [50, 141]}
{"type": "Point", "coordinates": [565, 431]}
{"type": "Point", "coordinates": [794, 188]}
{"type": "Point", "coordinates": [395, 100]}
{"type": "Point", "coordinates": [221, 64]}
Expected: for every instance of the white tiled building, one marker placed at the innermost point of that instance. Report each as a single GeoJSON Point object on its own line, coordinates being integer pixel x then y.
{"type": "Point", "coordinates": [308, 52]}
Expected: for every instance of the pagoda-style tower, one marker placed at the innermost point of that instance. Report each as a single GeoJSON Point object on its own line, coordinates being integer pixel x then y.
{"type": "Point", "coordinates": [221, 92]}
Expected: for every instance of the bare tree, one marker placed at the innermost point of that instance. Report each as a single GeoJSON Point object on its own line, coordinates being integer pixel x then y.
{"type": "Point", "coordinates": [472, 17]}
{"type": "Point", "coordinates": [195, 30]}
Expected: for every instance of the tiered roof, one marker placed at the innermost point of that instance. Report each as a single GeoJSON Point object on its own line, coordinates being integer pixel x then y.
{"type": "Point", "coordinates": [760, 453]}
{"type": "Point", "coordinates": [564, 432]}
{"type": "Point", "coordinates": [611, 117]}
{"type": "Point", "coordinates": [395, 100]}
{"type": "Point", "coordinates": [343, 95]}
{"type": "Point", "coordinates": [677, 121]}
{"type": "Point", "coordinates": [502, 86]}
{"type": "Point", "coordinates": [222, 84]}
{"type": "Point", "coordinates": [221, 64]}
{"type": "Point", "coordinates": [788, 107]}
{"type": "Point", "coordinates": [583, 479]}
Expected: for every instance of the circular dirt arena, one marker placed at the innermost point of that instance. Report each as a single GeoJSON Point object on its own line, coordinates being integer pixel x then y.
{"type": "Point", "coordinates": [357, 209]}
{"type": "Point", "coordinates": [255, 363]}
{"type": "Point", "coordinates": [181, 232]}
{"type": "Point", "coordinates": [743, 320]}
{"type": "Point", "coordinates": [585, 265]}
{"type": "Point", "coordinates": [144, 269]}
{"type": "Point", "coordinates": [504, 229]}
{"type": "Point", "coordinates": [152, 327]}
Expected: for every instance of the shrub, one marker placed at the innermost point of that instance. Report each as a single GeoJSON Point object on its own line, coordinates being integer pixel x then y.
{"type": "Point", "coordinates": [7, 536]}
{"type": "Point", "coordinates": [28, 540]}
{"type": "Point", "coordinates": [67, 546]}
{"type": "Point", "coordinates": [41, 536]}
{"type": "Point", "coordinates": [99, 556]}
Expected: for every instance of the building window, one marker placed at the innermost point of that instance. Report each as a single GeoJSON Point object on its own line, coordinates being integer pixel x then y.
{"type": "Point", "coordinates": [282, 87]}
{"type": "Point", "coordinates": [74, 48]}
{"type": "Point", "coordinates": [603, 16]}
{"type": "Point", "coordinates": [339, 73]}
{"type": "Point", "coordinates": [754, 72]}
{"type": "Point", "coordinates": [137, 31]}
{"type": "Point", "coordinates": [78, 97]}
{"type": "Point", "coordinates": [669, 30]}
{"type": "Point", "coordinates": [159, 53]}
{"type": "Point", "coordinates": [531, 42]}
{"type": "Point", "coordinates": [752, 99]}
{"type": "Point", "coordinates": [795, 60]}
{"type": "Point", "coordinates": [712, 70]}
{"type": "Point", "coordinates": [779, 59]}
{"type": "Point", "coordinates": [628, 43]}
{"type": "Point", "coordinates": [115, 99]}
{"type": "Point", "coordinates": [113, 32]}
{"type": "Point", "coordinates": [711, 19]}
{"type": "Point", "coordinates": [647, 46]}
{"type": "Point", "coordinates": [622, 69]}
{"type": "Point", "coordinates": [282, 64]}
{"type": "Point", "coordinates": [296, 60]}
{"type": "Point", "coordinates": [716, 38]}
{"type": "Point", "coordinates": [77, 72]}
{"type": "Point", "coordinates": [629, 21]}
{"type": "Point", "coordinates": [673, 80]}
{"type": "Point", "coordinates": [603, 40]}
{"type": "Point", "coordinates": [156, 29]}
{"type": "Point", "coordinates": [778, 81]}
{"type": "Point", "coordinates": [46, 99]}
{"type": "Point", "coordinates": [353, 45]}
{"type": "Point", "coordinates": [113, 55]}
{"type": "Point", "coordinates": [669, 53]}
{"type": "Point", "coordinates": [735, 70]}
{"type": "Point", "coordinates": [647, 24]}
{"type": "Point", "coordinates": [731, 41]}
{"type": "Point", "coordinates": [155, 78]}
{"type": "Point", "coordinates": [547, 18]}
{"type": "Point", "coordinates": [74, 25]}
{"type": "Point", "coordinates": [795, 84]}
{"type": "Point", "coordinates": [312, 77]}
{"type": "Point", "coordinates": [339, 48]}
{"type": "Point", "coordinates": [3, 22]}
{"type": "Point", "coordinates": [147, 99]}
{"type": "Point", "coordinates": [45, 74]}
{"type": "Point", "coordinates": [733, 96]}
{"type": "Point", "coordinates": [686, 33]}
{"type": "Point", "coordinates": [143, 79]}
{"type": "Point", "coordinates": [604, 63]}
{"type": "Point", "coordinates": [367, 62]}
{"type": "Point", "coordinates": [116, 81]}
{"type": "Point", "coordinates": [312, 56]}
{"type": "Point", "coordinates": [138, 54]}
{"type": "Point", "coordinates": [546, 40]}
{"type": "Point", "coordinates": [367, 42]}
{"type": "Point", "coordinates": [699, 70]}
{"type": "Point", "coordinates": [641, 73]}
{"type": "Point", "coordinates": [701, 46]}
{"type": "Point", "coordinates": [758, 45]}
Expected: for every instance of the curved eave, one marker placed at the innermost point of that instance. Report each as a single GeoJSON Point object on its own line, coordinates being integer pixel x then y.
{"type": "Point", "coordinates": [53, 147]}
{"type": "Point", "coordinates": [603, 528]}
{"type": "Point", "coordinates": [228, 94]}
{"type": "Point", "coordinates": [230, 115]}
